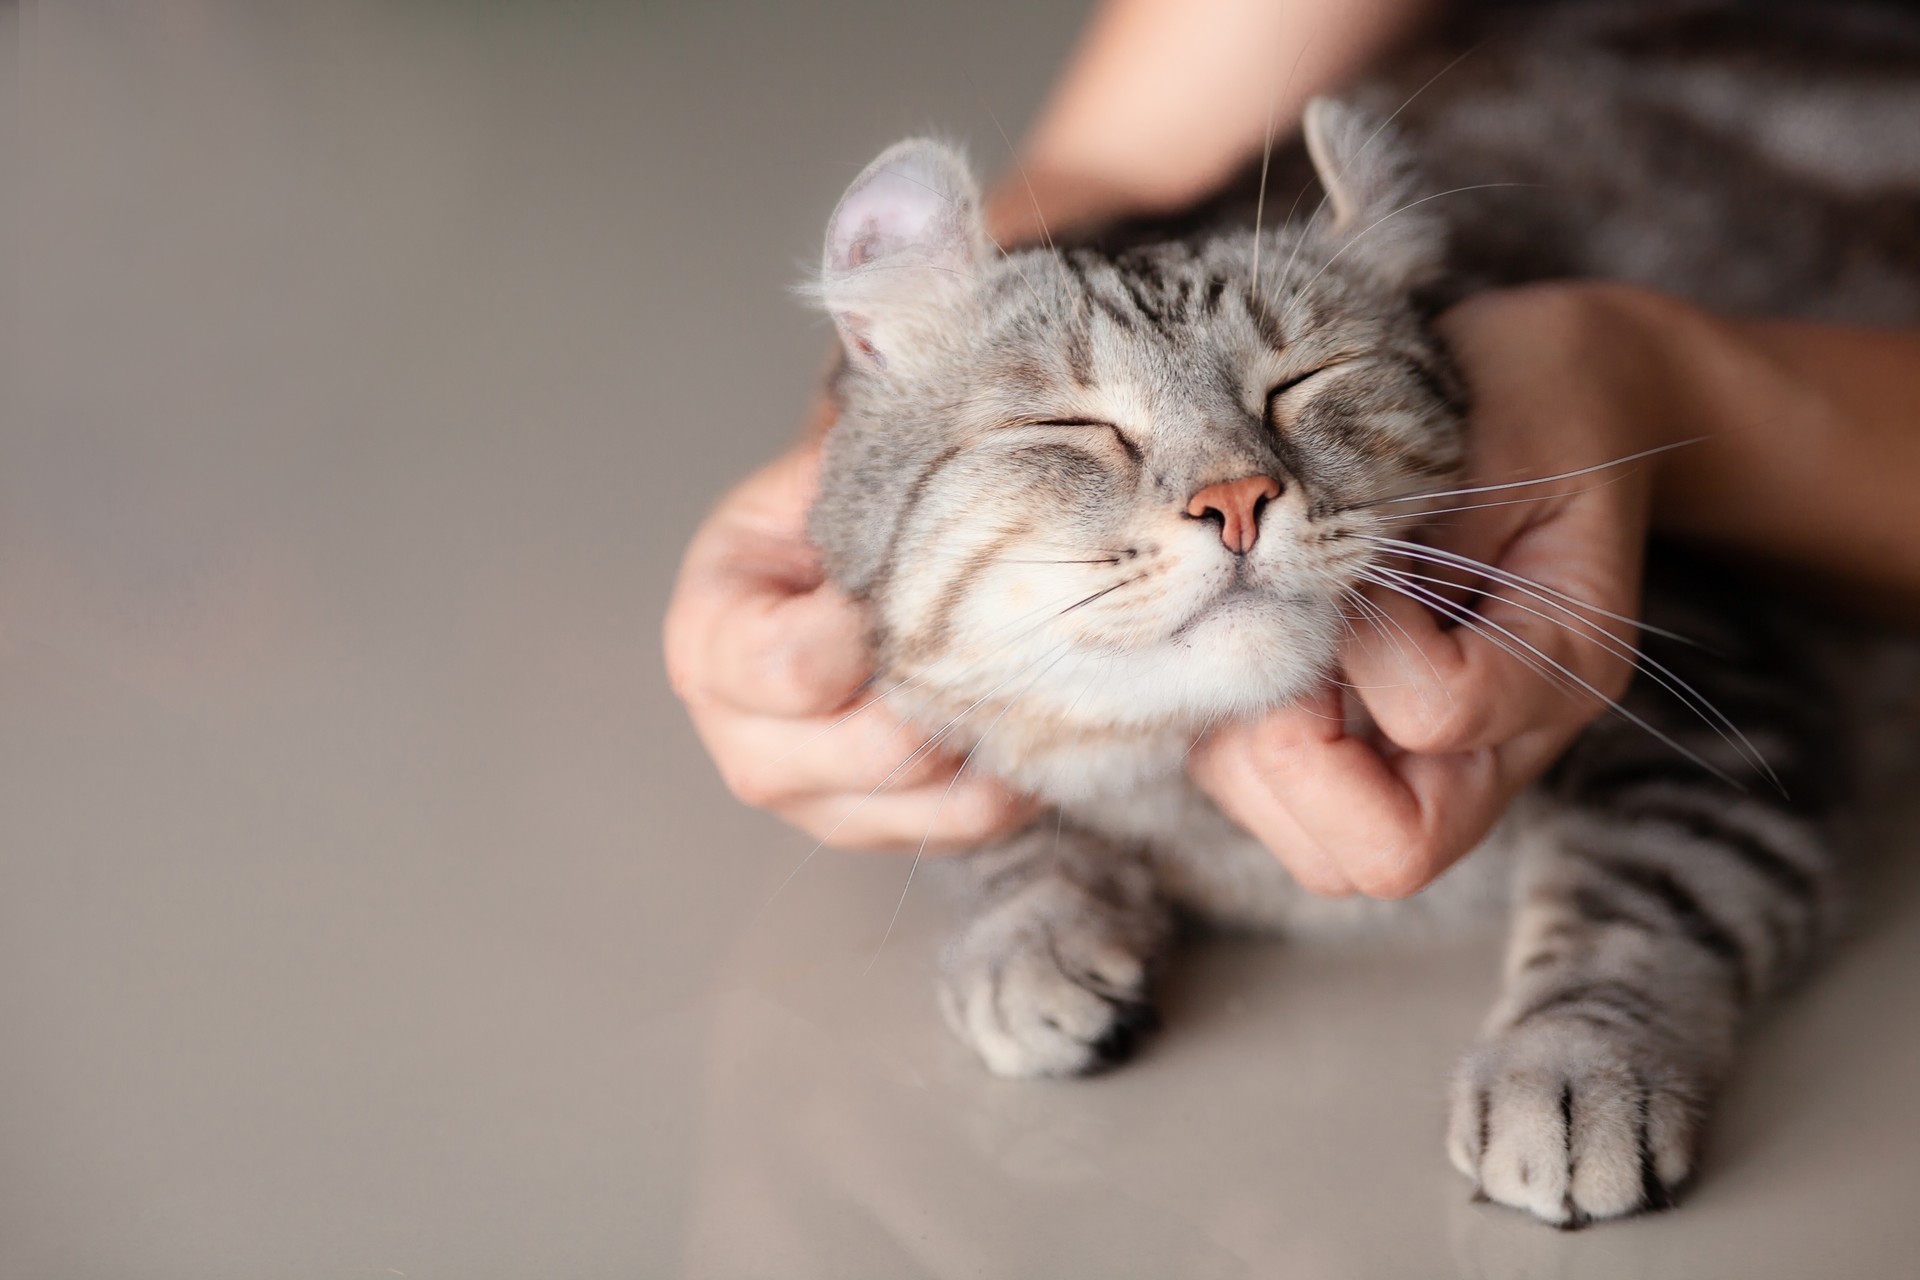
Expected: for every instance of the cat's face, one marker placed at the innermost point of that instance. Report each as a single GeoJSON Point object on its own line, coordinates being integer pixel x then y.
{"type": "Point", "coordinates": [1126, 492]}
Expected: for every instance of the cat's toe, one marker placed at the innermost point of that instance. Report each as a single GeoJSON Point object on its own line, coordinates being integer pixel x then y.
{"type": "Point", "coordinates": [1574, 1124]}
{"type": "Point", "coordinates": [1058, 996]}
{"type": "Point", "coordinates": [1132, 1023]}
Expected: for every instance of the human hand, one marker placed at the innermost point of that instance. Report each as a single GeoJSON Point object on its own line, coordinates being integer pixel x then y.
{"type": "Point", "coordinates": [1454, 670]}
{"type": "Point", "coordinates": [771, 660]}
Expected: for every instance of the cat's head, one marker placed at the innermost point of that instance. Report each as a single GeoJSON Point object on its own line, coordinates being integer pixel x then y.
{"type": "Point", "coordinates": [1127, 490]}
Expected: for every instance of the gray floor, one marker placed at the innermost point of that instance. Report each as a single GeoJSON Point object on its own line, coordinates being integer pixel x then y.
{"type": "Point", "coordinates": [366, 906]}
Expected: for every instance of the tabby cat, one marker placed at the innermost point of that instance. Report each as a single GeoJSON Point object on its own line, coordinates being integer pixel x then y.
{"type": "Point", "coordinates": [1101, 497]}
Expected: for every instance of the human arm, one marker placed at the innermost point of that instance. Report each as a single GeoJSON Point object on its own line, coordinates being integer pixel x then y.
{"type": "Point", "coordinates": [1163, 99]}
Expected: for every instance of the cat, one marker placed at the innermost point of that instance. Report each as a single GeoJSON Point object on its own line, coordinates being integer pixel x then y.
{"type": "Point", "coordinates": [1100, 497]}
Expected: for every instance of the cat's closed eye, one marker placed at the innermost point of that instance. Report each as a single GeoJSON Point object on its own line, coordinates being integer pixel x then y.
{"type": "Point", "coordinates": [1281, 388]}
{"type": "Point", "coordinates": [1125, 441]}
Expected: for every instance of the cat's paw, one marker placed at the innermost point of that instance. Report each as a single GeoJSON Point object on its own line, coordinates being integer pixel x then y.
{"type": "Point", "coordinates": [1052, 983]}
{"type": "Point", "coordinates": [1574, 1123]}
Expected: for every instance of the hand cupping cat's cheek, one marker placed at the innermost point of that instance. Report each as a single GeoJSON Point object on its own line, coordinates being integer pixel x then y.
{"type": "Point", "coordinates": [756, 643]}
{"type": "Point", "coordinates": [1536, 651]}
{"type": "Point", "coordinates": [753, 625]}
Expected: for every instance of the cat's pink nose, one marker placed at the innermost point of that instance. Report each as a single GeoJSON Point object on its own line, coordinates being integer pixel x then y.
{"type": "Point", "coordinates": [1237, 503]}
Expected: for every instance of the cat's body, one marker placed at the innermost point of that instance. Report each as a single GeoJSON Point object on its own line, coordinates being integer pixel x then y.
{"type": "Point", "coordinates": [1102, 498]}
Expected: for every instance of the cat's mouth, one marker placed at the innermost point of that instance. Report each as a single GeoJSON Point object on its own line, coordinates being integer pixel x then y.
{"type": "Point", "coordinates": [1243, 595]}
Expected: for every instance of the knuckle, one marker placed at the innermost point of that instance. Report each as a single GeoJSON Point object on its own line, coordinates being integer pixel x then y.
{"type": "Point", "coordinates": [1427, 728]}
{"type": "Point", "coordinates": [681, 675]}
{"type": "Point", "coordinates": [822, 830]}
{"type": "Point", "coordinates": [1613, 679]}
{"type": "Point", "coordinates": [977, 814]}
{"type": "Point", "coordinates": [1399, 872]}
{"type": "Point", "coordinates": [753, 785]}
{"type": "Point", "coordinates": [1315, 876]}
{"type": "Point", "coordinates": [902, 772]}
{"type": "Point", "coordinates": [790, 678]}
{"type": "Point", "coordinates": [682, 663]}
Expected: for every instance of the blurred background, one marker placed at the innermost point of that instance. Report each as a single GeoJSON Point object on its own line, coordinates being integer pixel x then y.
{"type": "Point", "coordinates": [367, 906]}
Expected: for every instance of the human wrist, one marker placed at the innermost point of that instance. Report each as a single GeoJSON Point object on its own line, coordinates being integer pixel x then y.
{"type": "Point", "coordinates": [1638, 353]}
{"type": "Point", "coordinates": [1737, 408]}
{"type": "Point", "coordinates": [1581, 368]}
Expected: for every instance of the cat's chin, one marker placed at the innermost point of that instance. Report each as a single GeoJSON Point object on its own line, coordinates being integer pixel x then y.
{"type": "Point", "coordinates": [1247, 655]}
{"type": "Point", "coordinates": [1118, 719]}
{"type": "Point", "coordinates": [1244, 657]}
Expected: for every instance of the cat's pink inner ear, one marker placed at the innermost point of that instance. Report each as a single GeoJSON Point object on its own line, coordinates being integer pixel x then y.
{"type": "Point", "coordinates": [892, 211]}
{"type": "Point", "coordinates": [901, 249]}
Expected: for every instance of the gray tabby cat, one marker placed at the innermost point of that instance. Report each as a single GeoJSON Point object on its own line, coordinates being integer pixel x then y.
{"type": "Point", "coordinates": [1102, 498]}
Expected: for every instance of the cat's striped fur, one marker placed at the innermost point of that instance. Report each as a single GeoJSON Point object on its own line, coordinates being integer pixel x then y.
{"type": "Point", "coordinates": [1012, 486]}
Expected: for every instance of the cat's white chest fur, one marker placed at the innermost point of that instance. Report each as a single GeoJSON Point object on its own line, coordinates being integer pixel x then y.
{"type": "Point", "coordinates": [1132, 787]}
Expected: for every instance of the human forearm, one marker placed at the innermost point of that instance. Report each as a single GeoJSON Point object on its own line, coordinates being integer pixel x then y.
{"type": "Point", "coordinates": [1163, 98]}
{"type": "Point", "coordinates": [1813, 453]}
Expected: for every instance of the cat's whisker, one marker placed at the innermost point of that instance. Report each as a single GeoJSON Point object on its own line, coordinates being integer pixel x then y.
{"type": "Point", "coordinates": [1105, 591]}
{"type": "Point", "coordinates": [1359, 151]}
{"type": "Point", "coordinates": [1659, 673]}
{"type": "Point", "coordinates": [1503, 502]}
{"type": "Point", "coordinates": [1459, 58]}
{"type": "Point", "coordinates": [1046, 236]}
{"type": "Point", "coordinates": [932, 742]}
{"type": "Point", "coordinates": [1019, 270]}
{"type": "Point", "coordinates": [1485, 628]}
{"type": "Point", "coordinates": [1521, 484]}
{"type": "Point", "coordinates": [1403, 645]}
{"type": "Point", "coordinates": [1266, 163]}
{"type": "Point", "coordinates": [1192, 746]}
{"type": "Point", "coordinates": [1543, 665]}
{"type": "Point", "coordinates": [926, 673]}
{"type": "Point", "coordinates": [1360, 235]}
{"type": "Point", "coordinates": [1472, 622]}
{"type": "Point", "coordinates": [1506, 577]}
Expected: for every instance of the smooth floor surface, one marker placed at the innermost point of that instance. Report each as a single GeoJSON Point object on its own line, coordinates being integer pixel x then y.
{"type": "Point", "coordinates": [367, 907]}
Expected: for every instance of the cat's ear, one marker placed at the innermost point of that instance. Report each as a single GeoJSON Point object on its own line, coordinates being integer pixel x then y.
{"type": "Point", "coordinates": [903, 249]}
{"type": "Point", "coordinates": [1374, 197]}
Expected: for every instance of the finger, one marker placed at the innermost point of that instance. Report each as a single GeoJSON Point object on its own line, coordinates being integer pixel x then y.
{"type": "Point", "coordinates": [1439, 676]}
{"type": "Point", "coordinates": [785, 654]}
{"type": "Point", "coordinates": [1388, 826]}
{"type": "Point", "coordinates": [974, 811]}
{"type": "Point", "coordinates": [752, 623]}
{"type": "Point", "coordinates": [770, 762]}
{"type": "Point", "coordinates": [1449, 803]}
{"type": "Point", "coordinates": [1234, 767]}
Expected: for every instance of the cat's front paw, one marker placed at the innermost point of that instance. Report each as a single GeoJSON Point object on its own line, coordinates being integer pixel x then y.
{"type": "Point", "coordinates": [1574, 1123]}
{"type": "Point", "coordinates": [1052, 982]}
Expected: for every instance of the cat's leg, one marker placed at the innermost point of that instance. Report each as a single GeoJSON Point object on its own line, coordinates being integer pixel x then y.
{"type": "Point", "coordinates": [1646, 928]}
{"type": "Point", "coordinates": [1655, 907]}
{"type": "Point", "coordinates": [1049, 975]}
